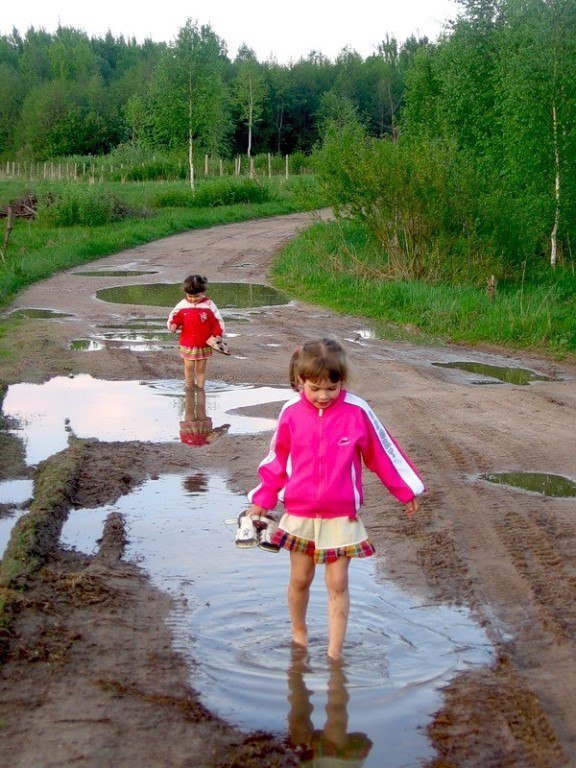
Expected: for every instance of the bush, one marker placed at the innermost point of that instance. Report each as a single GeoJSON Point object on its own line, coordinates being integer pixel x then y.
{"type": "Point", "coordinates": [210, 194]}
{"type": "Point", "coordinates": [80, 205]}
{"type": "Point", "coordinates": [230, 192]}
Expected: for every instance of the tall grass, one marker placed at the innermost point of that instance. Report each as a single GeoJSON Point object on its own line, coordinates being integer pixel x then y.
{"type": "Point", "coordinates": [338, 267]}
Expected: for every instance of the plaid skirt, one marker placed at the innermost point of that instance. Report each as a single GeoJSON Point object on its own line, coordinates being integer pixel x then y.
{"type": "Point", "coordinates": [324, 540]}
{"type": "Point", "coordinates": [195, 353]}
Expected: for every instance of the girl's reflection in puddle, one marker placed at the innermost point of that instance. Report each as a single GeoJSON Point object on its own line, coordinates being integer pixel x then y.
{"type": "Point", "coordinates": [333, 745]}
{"type": "Point", "coordinates": [197, 428]}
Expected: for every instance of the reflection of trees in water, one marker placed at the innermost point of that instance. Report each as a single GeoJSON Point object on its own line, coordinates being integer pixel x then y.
{"type": "Point", "coordinates": [332, 745]}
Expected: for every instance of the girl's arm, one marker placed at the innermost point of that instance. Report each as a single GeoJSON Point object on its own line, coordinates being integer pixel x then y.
{"type": "Point", "coordinates": [173, 318]}
{"type": "Point", "coordinates": [218, 327]}
{"type": "Point", "coordinates": [272, 470]}
{"type": "Point", "coordinates": [383, 455]}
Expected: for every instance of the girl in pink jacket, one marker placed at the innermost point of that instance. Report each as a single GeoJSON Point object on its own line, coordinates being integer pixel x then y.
{"type": "Point", "coordinates": [315, 468]}
{"type": "Point", "coordinates": [198, 319]}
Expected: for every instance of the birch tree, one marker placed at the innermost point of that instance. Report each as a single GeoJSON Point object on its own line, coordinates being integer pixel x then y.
{"type": "Point", "coordinates": [539, 114]}
{"type": "Point", "coordinates": [188, 93]}
{"type": "Point", "coordinates": [249, 92]}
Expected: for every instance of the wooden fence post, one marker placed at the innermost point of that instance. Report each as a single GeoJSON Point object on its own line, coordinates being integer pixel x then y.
{"type": "Point", "coordinates": [7, 234]}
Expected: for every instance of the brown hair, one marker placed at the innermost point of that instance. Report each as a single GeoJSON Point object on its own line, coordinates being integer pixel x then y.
{"type": "Point", "coordinates": [319, 359]}
{"type": "Point", "coordinates": [195, 284]}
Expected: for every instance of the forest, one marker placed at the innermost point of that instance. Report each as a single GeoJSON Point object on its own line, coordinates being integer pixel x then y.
{"type": "Point", "coordinates": [66, 94]}
{"type": "Point", "coordinates": [450, 161]}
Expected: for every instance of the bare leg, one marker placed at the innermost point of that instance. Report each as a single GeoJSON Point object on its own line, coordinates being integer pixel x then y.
{"type": "Point", "coordinates": [302, 570]}
{"type": "Point", "coordinates": [189, 369]}
{"type": "Point", "coordinates": [200, 373]}
{"type": "Point", "coordinates": [336, 577]}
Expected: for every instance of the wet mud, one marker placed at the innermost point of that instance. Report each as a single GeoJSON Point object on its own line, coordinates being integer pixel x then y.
{"type": "Point", "coordinates": [90, 673]}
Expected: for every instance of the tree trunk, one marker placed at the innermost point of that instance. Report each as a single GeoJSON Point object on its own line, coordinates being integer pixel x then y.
{"type": "Point", "coordinates": [190, 135]}
{"type": "Point", "coordinates": [250, 114]}
{"type": "Point", "coordinates": [554, 233]}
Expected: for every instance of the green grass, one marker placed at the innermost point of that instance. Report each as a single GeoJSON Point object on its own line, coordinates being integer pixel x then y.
{"type": "Point", "coordinates": [38, 248]}
{"type": "Point", "coordinates": [344, 274]}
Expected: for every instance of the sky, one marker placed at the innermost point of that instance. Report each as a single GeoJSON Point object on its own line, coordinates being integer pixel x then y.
{"type": "Point", "coordinates": [285, 31]}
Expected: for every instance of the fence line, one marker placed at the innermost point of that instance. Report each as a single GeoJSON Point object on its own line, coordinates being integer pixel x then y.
{"type": "Point", "coordinates": [94, 172]}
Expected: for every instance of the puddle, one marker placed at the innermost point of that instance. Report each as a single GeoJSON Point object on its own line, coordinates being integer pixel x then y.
{"type": "Point", "coordinates": [41, 314]}
{"type": "Point", "coordinates": [124, 410]}
{"type": "Point", "coordinates": [225, 295]}
{"type": "Point", "coordinates": [16, 491]}
{"type": "Point", "coordinates": [13, 494]}
{"type": "Point", "coordinates": [138, 335]}
{"type": "Point", "coordinates": [232, 624]}
{"type": "Point", "coordinates": [389, 331]}
{"type": "Point", "coordinates": [136, 341]}
{"type": "Point", "coordinates": [535, 482]}
{"type": "Point", "coordinates": [116, 273]}
{"type": "Point", "coordinates": [150, 323]}
{"type": "Point", "coordinates": [519, 376]}
{"type": "Point", "coordinates": [85, 345]}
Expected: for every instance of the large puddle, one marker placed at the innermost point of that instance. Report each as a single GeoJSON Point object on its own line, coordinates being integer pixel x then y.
{"type": "Point", "coordinates": [545, 483]}
{"type": "Point", "coordinates": [495, 373]}
{"type": "Point", "coordinates": [225, 295]}
{"type": "Point", "coordinates": [125, 411]}
{"type": "Point", "coordinates": [231, 622]}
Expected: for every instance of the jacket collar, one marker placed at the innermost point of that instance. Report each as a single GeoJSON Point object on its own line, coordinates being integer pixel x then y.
{"type": "Point", "coordinates": [335, 404]}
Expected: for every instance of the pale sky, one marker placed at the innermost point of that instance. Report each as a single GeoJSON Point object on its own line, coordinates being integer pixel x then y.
{"type": "Point", "coordinates": [285, 30]}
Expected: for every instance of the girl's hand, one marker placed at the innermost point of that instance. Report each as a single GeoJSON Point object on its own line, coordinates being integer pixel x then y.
{"type": "Point", "coordinates": [173, 327]}
{"type": "Point", "coordinates": [412, 507]}
{"type": "Point", "coordinates": [255, 511]}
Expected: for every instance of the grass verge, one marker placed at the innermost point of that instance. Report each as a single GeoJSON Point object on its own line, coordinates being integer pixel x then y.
{"type": "Point", "coordinates": [331, 265]}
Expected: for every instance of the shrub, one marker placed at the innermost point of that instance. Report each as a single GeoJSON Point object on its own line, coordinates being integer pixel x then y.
{"type": "Point", "coordinates": [85, 206]}
{"type": "Point", "coordinates": [214, 193]}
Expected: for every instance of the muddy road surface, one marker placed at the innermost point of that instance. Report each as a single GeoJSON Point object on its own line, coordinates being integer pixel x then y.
{"type": "Point", "coordinates": [90, 673]}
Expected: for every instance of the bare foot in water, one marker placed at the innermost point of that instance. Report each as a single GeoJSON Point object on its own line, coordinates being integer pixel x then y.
{"type": "Point", "coordinates": [300, 638]}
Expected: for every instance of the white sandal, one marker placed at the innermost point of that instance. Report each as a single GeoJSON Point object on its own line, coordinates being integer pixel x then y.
{"type": "Point", "coordinates": [218, 343]}
{"type": "Point", "coordinates": [246, 533]}
{"type": "Point", "coordinates": [266, 527]}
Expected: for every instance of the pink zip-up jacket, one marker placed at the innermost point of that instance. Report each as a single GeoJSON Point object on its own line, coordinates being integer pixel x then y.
{"type": "Point", "coordinates": [322, 475]}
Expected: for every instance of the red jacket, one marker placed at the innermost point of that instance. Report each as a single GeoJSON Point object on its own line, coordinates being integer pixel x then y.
{"type": "Point", "coordinates": [197, 322]}
{"type": "Point", "coordinates": [315, 460]}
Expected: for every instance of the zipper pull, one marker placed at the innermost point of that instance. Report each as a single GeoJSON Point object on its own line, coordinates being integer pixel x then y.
{"type": "Point", "coordinates": [320, 412]}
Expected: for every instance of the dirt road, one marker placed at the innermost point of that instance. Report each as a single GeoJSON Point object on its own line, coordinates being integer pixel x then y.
{"type": "Point", "coordinates": [90, 677]}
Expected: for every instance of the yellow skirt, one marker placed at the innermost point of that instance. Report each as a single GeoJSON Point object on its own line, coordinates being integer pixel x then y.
{"type": "Point", "coordinates": [324, 540]}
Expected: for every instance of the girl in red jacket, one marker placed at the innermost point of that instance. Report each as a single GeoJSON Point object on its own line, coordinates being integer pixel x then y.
{"type": "Point", "coordinates": [315, 468]}
{"type": "Point", "coordinates": [198, 319]}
